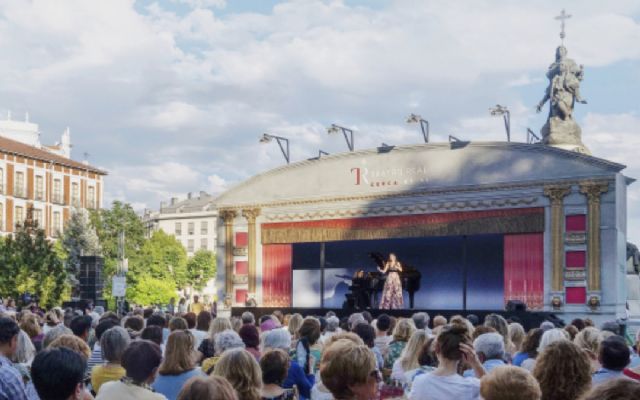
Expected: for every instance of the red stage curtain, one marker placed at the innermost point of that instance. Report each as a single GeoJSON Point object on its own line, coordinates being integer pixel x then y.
{"type": "Point", "coordinates": [276, 275]}
{"type": "Point", "coordinates": [524, 269]}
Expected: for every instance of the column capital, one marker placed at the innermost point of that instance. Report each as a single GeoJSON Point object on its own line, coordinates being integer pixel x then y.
{"type": "Point", "coordinates": [228, 215]}
{"type": "Point", "coordinates": [557, 193]}
{"type": "Point", "coordinates": [251, 214]}
{"type": "Point", "coordinates": [593, 190]}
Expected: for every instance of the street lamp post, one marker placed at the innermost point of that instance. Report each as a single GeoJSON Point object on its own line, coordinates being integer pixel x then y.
{"type": "Point", "coordinates": [424, 125]}
{"type": "Point", "coordinates": [282, 142]}
{"type": "Point", "coordinates": [503, 111]}
{"type": "Point", "coordinates": [348, 134]}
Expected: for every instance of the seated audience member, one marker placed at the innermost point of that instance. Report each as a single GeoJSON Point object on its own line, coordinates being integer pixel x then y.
{"type": "Point", "coordinates": [209, 388]}
{"type": "Point", "coordinates": [159, 319]}
{"type": "Point", "coordinates": [275, 365]}
{"type": "Point", "coordinates": [134, 325]}
{"type": "Point", "coordinates": [421, 321]}
{"type": "Point", "coordinates": [140, 360]}
{"type": "Point", "coordinates": [516, 338]}
{"type": "Point", "coordinates": [611, 326]}
{"type": "Point", "coordinates": [58, 374]}
{"type": "Point", "coordinates": [51, 320]}
{"type": "Point", "coordinates": [350, 372]}
{"type": "Point", "coordinates": [382, 325]}
{"type": "Point", "coordinates": [615, 389]}
{"type": "Point", "coordinates": [178, 365]}
{"type": "Point", "coordinates": [81, 326]}
{"type": "Point", "coordinates": [96, 353]}
{"type": "Point", "coordinates": [248, 318]}
{"type": "Point", "coordinates": [589, 339]}
{"type": "Point", "coordinates": [113, 344]}
{"type": "Point", "coordinates": [267, 323]}
{"type": "Point", "coordinates": [401, 335]}
{"type": "Point", "coordinates": [529, 347]}
{"type": "Point", "coordinates": [306, 352]}
{"type": "Point", "coordinates": [438, 322]}
{"type": "Point", "coordinates": [474, 319]}
{"type": "Point", "coordinates": [453, 346]}
{"type": "Point", "coordinates": [509, 383]}
{"type": "Point", "coordinates": [251, 338]}
{"type": "Point", "coordinates": [198, 335]}
{"type": "Point", "coordinates": [242, 371]}
{"type": "Point", "coordinates": [333, 327]}
{"type": "Point", "coordinates": [548, 337]}
{"type": "Point", "coordinates": [572, 331]}
{"type": "Point", "coordinates": [501, 326]}
{"type": "Point", "coordinates": [427, 361]}
{"type": "Point", "coordinates": [177, 323]}
{"type": "Point", "coordinates": [207, 347]}
{"type": "Point", "coordinates": [31, 325]}
{"type": "Point", "coordinates": [281, 339]}
{"type": "Point", "coordinates": [614, 357]}
{"type": "Point", "coordinates": [11, 382]}
{"type": "Point", "coordinates": [203, 321]}
{"type": "Point", "coordinates": [408, 360]}
{"type": "Point", "coordinates": [295, 322]}
{"type": "Point", "coordinates": [153, 334]}
{"type": "Point", "coordinates": [355, 319]}
{"type": "Point", "coordinates": [74, 343]}
{"type": "Point", "coordinates": [224, 341]}
{"type": "Point", "coordinates": [367, 333]}
{"type": "Point", "coordinates": [55, 333]}
{"type": "Point", "coordinates": [563, 371]}
{"type": "Point", "coordinates": [319, 391]}
{"type": "Point", "coordinates": [547, 325]}
{"type": "Point", "coordinates": [578, 323]}
{"type": "Point", "coordinates": [490, 350]}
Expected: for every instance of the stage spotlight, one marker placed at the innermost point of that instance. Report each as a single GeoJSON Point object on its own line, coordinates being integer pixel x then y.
{"type": "Point", "coordinates": [282, 142]}
{"type": "Point", "coordinates": [503, 111]}
{"type": "Point", "coordinates": [348, 134]}
{"type": "Point", "coordinates": [424, 125]}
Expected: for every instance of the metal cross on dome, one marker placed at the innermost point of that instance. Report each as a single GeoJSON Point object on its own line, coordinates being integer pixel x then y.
{"type": "Point", "coordinates": [562, 17]}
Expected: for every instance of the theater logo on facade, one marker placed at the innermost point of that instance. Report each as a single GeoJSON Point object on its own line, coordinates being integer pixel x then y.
{"type": "Point", "coordinates": [376, 177]}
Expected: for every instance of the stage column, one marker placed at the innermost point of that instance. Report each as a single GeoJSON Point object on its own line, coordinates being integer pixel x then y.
{"type": "Point", "coordinates": [251, 215]}
{"type": "Point", "coordinates": [556, 195]}
{"type": "Point", "coordinates": [593, 190]}
{"type": "Point", "coordinates": [228, 217]}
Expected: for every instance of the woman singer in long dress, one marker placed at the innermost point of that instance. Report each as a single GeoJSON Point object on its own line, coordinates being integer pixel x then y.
{"type": "Point", "coordinates": [392, 292]}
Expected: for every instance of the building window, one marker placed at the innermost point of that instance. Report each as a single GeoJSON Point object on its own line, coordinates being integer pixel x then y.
{"type": "Point", "coordinates": [19, 215]}
{"type": "Point", "coordinates": [91, 197]}
{"type": "Point", "coordinates": [57, 224]}
{"type": "Point", "coordinates": [1, 181]}
{"type": "Point", "coordinates": [37, 218]}
{"type": "Point", "coordinates": [18, 187]}
{"type": "Point", "coordinates": [39, 188]}
{"type": "Point", "coordinates": [204, 227]}
{"type": "Point", "coordinates": [75, 194]}
{"type": "Point", "coordinates": [57, 191]}
{"type": "Point", "coordinates": [192, 228]}
{"type": "Point", "coordinates": [178, 228]}
{"type": "Point", "coordinates": [190, 245]}
{"type": "Point", "coordinates": [203, 244]}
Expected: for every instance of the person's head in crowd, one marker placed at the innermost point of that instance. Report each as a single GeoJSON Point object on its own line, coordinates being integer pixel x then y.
{"type": "Point", "coordinates": [352, 337]}
{"type": "Point", "coordinates": [276, 339]}
{"type": "Point", "coordinates": [333, 323]}
{"type": "Point", "coordinates": [532, 341]}
{"type": "Point", "coordinates": [589, 339]}
{"type": "Point", "coordinates": [438, 321]}
{"type": "Point", "coordinates": [309, 330]}
{"type": "Point", "coordinates": [449, 340]}
{"type": "Point", "coordinates": [219, 324]}
{"type": "Point", "coordinates": [31, 325]}
{"type": "Point", "coordinates": [420, 320]}
{"type": "Point", "coordinates": [236, 324]}
{"type": "Point", "coordinates": [112, 316]}
{"type": "Point", "coordinates": [153, 334]}
{"type": "Point", "coordinates": [104, 326]}
{"type": "Point", "coordinates": [25, 350]}
{"type": "Point", "coordinates": [58, 374]}
{"type": "Point", "coordinates": [411, 352]}
{"type": "Point", "coordinates": [500, 324]}
{"type": "Point", "coordinates": [460, 320]}
{"type": "Point", "coordinates": [141, 360]}
{"type": "Point", "coordinates": [294, 324]}
{"type": "Point", "coordinates": [350, 371]}
{"type": "Point", "coordinates": [211, 388]}
{"type": "Point", "coordinates": [474, 319]}
{"type": "Point", "coordinates": [179, 356]}
{"type": "Point", "coordinates": [9, 331]}
{"type": "Point", "coordinates": [279, 316]}
{"type": "Point", "coordinates": [134, 323]}
{"type": "Point", "coordinates": [546, 325]}
{"type": "Point", "coordinates": [481, 330]}
{"type": "Point", "coordinates": [427, 356]}
{"type": "Point", "coordinates": [113, 343]}
{"type": "Point", "coordinates": [267, 325]}
{"type": "Point", "coordinates": [589, 322]}
{"type": "Point", "coordinates": [274, 365]}
{"type": "Point", "coordinates": [403, 330]}
{"type": "Point", "coordinates": [156, 319]}
{"type": "Point", "coordinates": [572, 331]}
{"type": "Point", "coordinates": [250, 336]}
{"type": "Point", "coordinates": [516, 336]}
{"type": "Point", "coordinates": [55, 333]}
{"type": "Point", "coordinates": [68, 316]}
{"type": "Point", "coordinates": [323, 324]}
{"type": "Point", "coordinates": [489, 346]}
{"type": "Point", "coordinates": [615, 389]}
{"type": "Point", "coordinates": [611, 326]}
{"type": "Point", "coordinates": [81, 326]}
{"type": "Point", "coordinates": [383, 323]}
{"type": "Point", "coordinates": [242, 371]}
{"type": "Point", "coordinates": [509, 383]}
{"type": "Point", "coordinates": [190, 318]}
{"type": "Point", "coordinates": [203, 320]}
{"type": "Point", "coordinates": [563, 371]}
{"type": "Point", "coordinates": [614, 353]}
{"type": "Point", "coordinates": [248, 318]}
{"type": "Point", "coordinates": [147, 312]}
{"type": "Point", "coordinates": [366, 333]}
{"type": "Point", "coordinates": [178, 323]}
{"type": "Point", "coordinates": [227, 340]}
{"type": "Point", "coordinates": [578, 323]}
{"type": "Point", "coordinates": [367, 316]}
{"type": "Point", "coordinates": [552, 336]}
{"type": "Point", "coordinates": [355, 319]}
{"type": "Point", "coordinates": [344, 323]}
{"type": "Point", "coordinates": [52, 318]}
{"type": "Point", "coordinates": [74, 343]}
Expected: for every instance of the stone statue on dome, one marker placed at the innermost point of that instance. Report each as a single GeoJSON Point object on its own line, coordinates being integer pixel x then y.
{"type": "Point", "coordinates": [563, 91]}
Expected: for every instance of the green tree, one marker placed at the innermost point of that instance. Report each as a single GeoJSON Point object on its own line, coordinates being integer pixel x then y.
{"type": "Point", "coordinates": [79, 239]}
{"type": "Point", "coordinates": [201, 268]}
{"type": "Point", "coordinates": [148, 290]}
{"type": "Point", "coordinates": [162, 257]}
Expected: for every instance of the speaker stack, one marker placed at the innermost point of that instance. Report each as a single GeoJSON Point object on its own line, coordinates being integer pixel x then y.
{"type": "Point", "coordinates": [91, 279]}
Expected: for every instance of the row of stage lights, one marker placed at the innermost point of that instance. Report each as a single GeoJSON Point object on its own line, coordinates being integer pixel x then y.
{"type": "Point", "coordinates": [498, 111]}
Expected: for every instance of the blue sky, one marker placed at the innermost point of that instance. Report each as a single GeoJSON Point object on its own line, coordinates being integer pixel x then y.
{"type": "Point", "coordinates": [171, 96]}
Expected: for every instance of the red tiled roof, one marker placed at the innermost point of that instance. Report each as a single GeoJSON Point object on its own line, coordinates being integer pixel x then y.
{"type": "Point", "coordinates": [13, 147]}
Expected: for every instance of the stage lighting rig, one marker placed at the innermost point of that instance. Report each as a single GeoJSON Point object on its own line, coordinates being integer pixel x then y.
{"type": "Point", "coordinates": [282, 142]}
{"type": "Point", "coordinates": [348, 134]}
{"type": "Point", "coordinates": [503, 111]}
{"type": "Point", "coordinates": [424, 125]}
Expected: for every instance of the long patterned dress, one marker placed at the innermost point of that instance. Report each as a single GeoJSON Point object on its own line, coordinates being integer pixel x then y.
{"type": "Point", "coordinates": [392, 292]}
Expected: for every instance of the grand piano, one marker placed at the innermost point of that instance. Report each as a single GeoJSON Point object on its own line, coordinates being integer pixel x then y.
{"type": "Point", "coordinates": [366, 287]}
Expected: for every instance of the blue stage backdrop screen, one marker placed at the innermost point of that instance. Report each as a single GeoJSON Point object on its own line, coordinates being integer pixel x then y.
{"type": "Point", "coordinates": [450, 268]}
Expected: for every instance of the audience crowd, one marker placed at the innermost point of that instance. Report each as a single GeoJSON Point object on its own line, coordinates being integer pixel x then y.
{"type": "Point", "coordinates": [192, 354]}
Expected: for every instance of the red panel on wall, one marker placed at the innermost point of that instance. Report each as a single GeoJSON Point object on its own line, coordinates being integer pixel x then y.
{"type": "Point", "coordinates": [242, 267]}
{"type": "Point", "coordinates": [242, 239]}
{"type": "Point", "coordinates": [576, 295]}
{"type": "Point", "coordinates": [276, 275]}
{"type": "Point", "coordinates": [576, 259]}
{"type": "Point", "coordinates": [241, 295]}
{"type": "Point", "coordinates": [524, 269]}
{"type": "Point", "coordinates": [576, 223]}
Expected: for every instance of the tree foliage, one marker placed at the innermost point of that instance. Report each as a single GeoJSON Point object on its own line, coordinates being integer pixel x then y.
{"type": "Point", "coordinates": [201, 267]}
{"type": "Point", "coordinates": [162, 257]}
{"type": "Point", "coordinates": [79, 239]}
{"type": "Point", "coordinates": [149, 290]}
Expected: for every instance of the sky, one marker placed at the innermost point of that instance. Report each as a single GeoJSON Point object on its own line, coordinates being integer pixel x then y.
{"type": "Point", "coordinates": [172, 96]}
